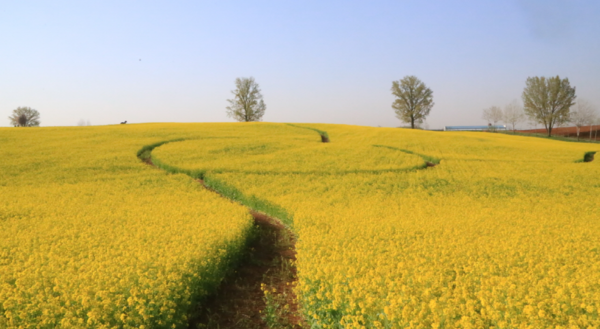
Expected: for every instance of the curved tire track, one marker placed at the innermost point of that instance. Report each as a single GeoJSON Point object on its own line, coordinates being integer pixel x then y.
{"type": "Point", "coordinates": [268, 264]}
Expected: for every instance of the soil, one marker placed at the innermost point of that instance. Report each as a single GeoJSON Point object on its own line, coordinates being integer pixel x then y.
{"type": "Point", "coordinates": [584, 133]}
{"type": "Point", "coordinates": [268, 264]}
{"type": "Point", "coordinates": [239, 302]}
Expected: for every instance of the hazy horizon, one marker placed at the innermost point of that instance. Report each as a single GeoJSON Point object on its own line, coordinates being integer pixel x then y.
{"type": "Point", "coordinates": [316, 62]}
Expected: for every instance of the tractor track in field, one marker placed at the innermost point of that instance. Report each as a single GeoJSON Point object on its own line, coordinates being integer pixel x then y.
{"type": "Point", "coordinates": [267, 265]}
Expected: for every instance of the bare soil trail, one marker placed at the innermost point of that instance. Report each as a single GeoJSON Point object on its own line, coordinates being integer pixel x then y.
{"type": "Point", "coordinates": [240, 301]}
{"type": "Point", "coordinates": [267, 269]}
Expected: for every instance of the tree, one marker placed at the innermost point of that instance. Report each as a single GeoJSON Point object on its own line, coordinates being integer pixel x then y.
{"type": "Point", "coordinates": [25, 117]}
{"type": "Point", "coordinates": [583, 115]}
{"type": "Point", "coordinates": [492, 115]}
{"type": "Point", "coordinates": [513, 114]}
{"type": "Point", "coordinates": [247, 104]}
{"type": "Point", "coordinates": [548, 101]}
{"type": "Point", "coordinates": [414, 100]}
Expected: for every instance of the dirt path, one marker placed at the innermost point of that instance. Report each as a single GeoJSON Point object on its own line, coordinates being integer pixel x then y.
{"type": "Point", "coordinates": [240, 301]}
{"type": "Point", "coordinates": [259, 293]}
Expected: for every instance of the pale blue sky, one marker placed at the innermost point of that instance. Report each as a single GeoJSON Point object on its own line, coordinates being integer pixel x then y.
{"type": "Point", "coordinates": [316, 61]}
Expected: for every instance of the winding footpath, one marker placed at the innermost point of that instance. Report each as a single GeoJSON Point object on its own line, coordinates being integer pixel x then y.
{"type": "Point", "coordinates": [268, 266]}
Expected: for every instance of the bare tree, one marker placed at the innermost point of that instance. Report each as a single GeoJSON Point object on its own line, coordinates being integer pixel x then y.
{"type": "Point", "coordinates": [583, 114]}
{"type": "Point", "coordinates": [513, 114]}
{"type": "Point", "coordinates": [548, 100]}
{"type": "Point", "coordinates": [414, 100]}
{"type": "Point", "coordinates": [247, 104]}
{"type": "Point", "coordinates": [492, 115]}
{"type": "Point", "coordinates": [25, 117]}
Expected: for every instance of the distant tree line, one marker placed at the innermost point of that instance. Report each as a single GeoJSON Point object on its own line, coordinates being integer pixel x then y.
{"type": "Point", "coordinates": [546, 101]}
{"type": "Point", "coordinates": [550, 102]}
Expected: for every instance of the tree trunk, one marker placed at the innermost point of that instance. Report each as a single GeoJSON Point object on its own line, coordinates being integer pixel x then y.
{"type": "Point", "coordinates": [578, 129]}
{"type": "Point", "coordinates": [548, 128]}
{"type": "Point", "coordinates": [412, 122]}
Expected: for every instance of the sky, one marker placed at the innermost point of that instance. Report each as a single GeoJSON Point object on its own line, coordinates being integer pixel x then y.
{"type": "Point", "coordinates": [315, 61]}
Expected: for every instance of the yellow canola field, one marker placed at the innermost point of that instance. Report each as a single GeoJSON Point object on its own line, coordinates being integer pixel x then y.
{"type": "Point", "coordinates": [504, 233]}
{"type": "Point", "coordinates": [91, 237]}
{"type": "Point", "coordinates": [280, 149]}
